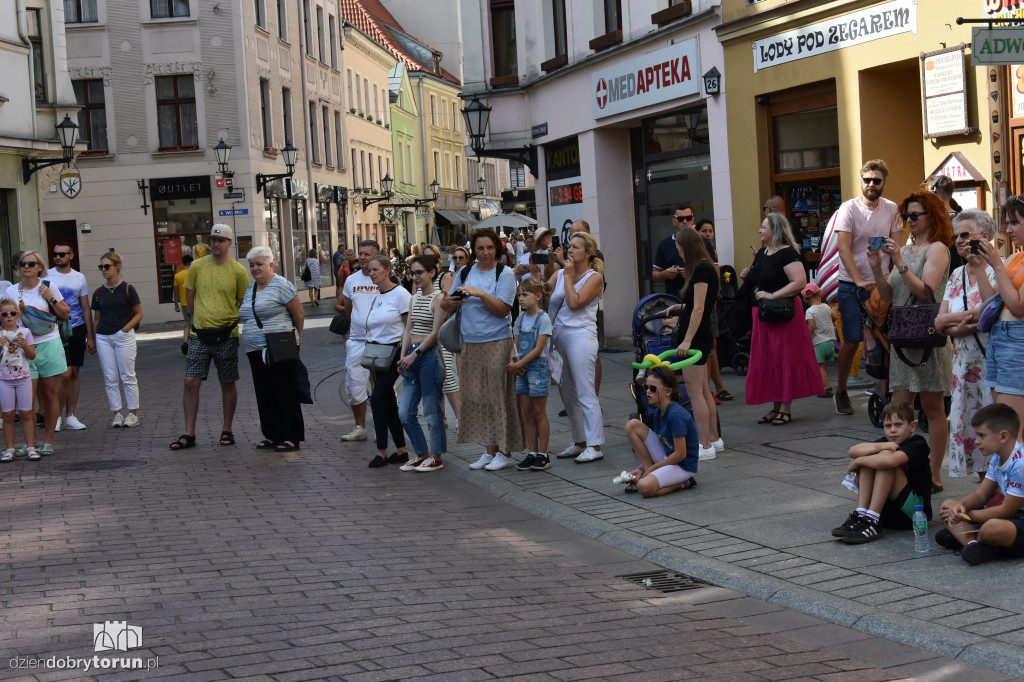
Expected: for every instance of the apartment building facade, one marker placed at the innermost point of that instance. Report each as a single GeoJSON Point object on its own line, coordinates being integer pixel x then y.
{"type": "Point", "coordinates": [609, 96]}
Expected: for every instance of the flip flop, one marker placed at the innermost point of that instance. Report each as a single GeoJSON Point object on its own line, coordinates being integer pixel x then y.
{"type": "Point", "coordinates": [227, 438]}
{"type": "Point", "coordinates": [184, 442]}
{"type": "Point", "coordinates": [266, 444]}
{"type": "Point", "coordinates": [724, 395]}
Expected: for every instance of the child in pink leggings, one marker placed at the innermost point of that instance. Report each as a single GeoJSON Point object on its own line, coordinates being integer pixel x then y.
{"type": "Point", "coordinates": [16, 381]}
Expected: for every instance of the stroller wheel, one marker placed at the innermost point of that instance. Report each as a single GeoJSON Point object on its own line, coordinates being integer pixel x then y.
{"type": "Point", "coordinates": [741, 363]}
{"type": "Point", "coordinates": [876, 403]}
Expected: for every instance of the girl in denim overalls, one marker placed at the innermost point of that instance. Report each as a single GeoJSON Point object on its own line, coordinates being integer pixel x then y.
{"type": "Point", "coordinates": [532, 331]}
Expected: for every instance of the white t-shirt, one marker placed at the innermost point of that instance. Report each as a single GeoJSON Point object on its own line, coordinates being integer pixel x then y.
{"type": "Point", "coordinates": [1010, 476]}
{"type": "Point", "coordinates": [824, 329]}
{"type": "Point", "coordinates": [855, 217]}
{"type": "Point", "coordinates": [359, 289]}
{"type": "Point", "coordinates": [72, 287]}
{"type": "Point", "coordinates": [31, 297]}
{"type": "Point", "coordinates": [386, 323]}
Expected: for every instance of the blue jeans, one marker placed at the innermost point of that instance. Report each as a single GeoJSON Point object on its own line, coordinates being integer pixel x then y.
{"type": "Point", "coordinates": [423, 381]}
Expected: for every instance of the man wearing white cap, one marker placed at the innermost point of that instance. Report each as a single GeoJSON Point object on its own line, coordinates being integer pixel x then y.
{"type": "Point", "coordinates": [530, 267]}
{"type": "Point", "coordinates": [214, 288]}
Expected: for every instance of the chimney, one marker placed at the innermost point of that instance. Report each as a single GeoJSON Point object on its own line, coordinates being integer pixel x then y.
{"type": "Point", "coordinates": [437, 63]}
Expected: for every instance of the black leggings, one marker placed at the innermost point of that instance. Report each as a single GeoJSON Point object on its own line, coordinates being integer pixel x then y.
{"type": "Point", "coordinates": [384, 408]}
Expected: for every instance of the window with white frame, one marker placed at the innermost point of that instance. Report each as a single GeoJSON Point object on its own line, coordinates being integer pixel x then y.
{"type": "Point", "coordinates": [80, 11]}
{"type": "Point", "coordinates": [362, 166]}
{"type": "Point", "coordinates": [366, 97]}
{"type": "Point", "coordinates": [444, 113]}
{"type": "Point", "coordinates": [334, 42]}
{"type": "Point", "coordinates": [92, 117]}
{"type": "Point", "coordinates": [448, 175]}
{"type": "Point", "coordinates": [376, 103]}
{"type": "Point", "coordinates": [286, 111]}
{"type": "Point", "coordinates": [351, 100]}
{"type": "Point", "coordinates": [35, 37]}
{"type": "Point", "coordinates": [177, 121]}
{"type": "Point", "coordinates": [458, 171]}
{"type": "Point", "coordinates": [338, 146]}
{"type": "Point", "coordinates": [260, 9]}
{"type": "Point", "coordinates": [168, 9]}
{"type": "Point", "coordinates": [355, 170]}
{"type": "Point", "coordinates": [433, 110]}
{"type": "Point", "coordinates": [307, 28]}
{"type": "Point", "coordinates": [437, 168]}
{"type": "Point", "coordinates": [359, 93]}
{"type": "Point", "coordinates": [320, 34]}
{"type": "Point", "coordinates": [456, 115]}
{"type": "Point", "coordinates": [328, 156]}
{"type": "Point", "coordinates": [373, 177]}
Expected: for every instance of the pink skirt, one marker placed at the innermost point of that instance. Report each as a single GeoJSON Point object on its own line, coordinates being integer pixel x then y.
{"type": "Point", "coordinates": [783, 366]}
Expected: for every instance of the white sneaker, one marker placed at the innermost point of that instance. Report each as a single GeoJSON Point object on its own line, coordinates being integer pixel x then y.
{"type": "Point", "coordinates": [571, 451]}
{"type": "Point", "coordinates": [430, 464]}
{"type": "Point", "coordinates": [624, 477]}
{"type": "Point", "coordinates": [59, 422]}
{"type": "Point", "coordinates": [358, 433]}
{"type": "Point", "coordinates": [118, 421]}
{"type": "Point", "coordinates": [131, 421]}
{"type": "Point", "coordinates": [718, 445]}
{"type": "Point", "coordinates": [73, 424]}
{"type": "Point", "coordinates": [412, 464]}
{"type": "Point", "coordinates": [484, 460]}
{"type": "Point", "coordinates": [589, 455]}
{"type": "Point", "coordinates": [707, 454]}
{"type": "Point", "coordinates": [498, 462]}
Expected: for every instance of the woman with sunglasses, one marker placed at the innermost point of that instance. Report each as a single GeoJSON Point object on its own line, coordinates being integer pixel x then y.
{"type": "Point", "coordinates": [423, 369]}
{"type": "Point", "coordinates": [443, 282]}
{"type": "Point", "coordinates": [50, 364]}
{"type": "Point", "coordinates": [669, 448]}
{"type": "Point", "coordinates": [1004, 356]}
{"type": "Point", "coordinates": [117, 311]}
{"type": "Point", "coordinates": [920, 269]}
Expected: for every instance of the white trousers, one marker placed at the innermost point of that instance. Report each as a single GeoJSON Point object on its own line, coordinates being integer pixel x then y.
{"type": "Point", "coordinates": [357, 377]}
{"type": "Point", "coordinates": [578, 347]}
{"type": "Point", "coordinates": [117, 360]}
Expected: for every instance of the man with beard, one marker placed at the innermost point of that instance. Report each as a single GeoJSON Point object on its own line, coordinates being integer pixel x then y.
{"type": "Point", "coordinates": [869, 215]}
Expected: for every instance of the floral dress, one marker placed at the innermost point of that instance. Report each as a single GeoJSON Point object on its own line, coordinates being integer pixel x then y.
{"type": "Point", "coordinates": [968, 392]}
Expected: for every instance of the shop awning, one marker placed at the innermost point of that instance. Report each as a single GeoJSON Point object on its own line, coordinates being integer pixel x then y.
{"type": "Point", "coordinates": [456, 217]}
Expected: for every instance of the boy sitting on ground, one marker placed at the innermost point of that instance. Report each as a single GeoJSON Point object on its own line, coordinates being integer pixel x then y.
{"type": "Point", "coordinates": [894, 475]}
{"type": "Point", "coordinates": [1000, 534]}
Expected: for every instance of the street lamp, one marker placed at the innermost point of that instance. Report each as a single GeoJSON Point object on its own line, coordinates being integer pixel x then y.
{"type": "Point", "coordinates": [387, 184]}
{"type": "Point", "coordinates": [290, 154]}
{"type": "Point", "coordinates": [477, 116]}
{"type": "Point", "coordinates": [480, 183]}
{"type": "Point", "coordinates": [67, 132]}
{"type": "Point", "coordinates": [223, 152]}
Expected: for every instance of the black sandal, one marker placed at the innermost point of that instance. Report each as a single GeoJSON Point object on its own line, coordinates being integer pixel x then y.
{"type": "Point", "coordinates": [266, 444]}
{"type": "Point", "coordinates": [782, 419]}
{"type": "Point", "coordinates": [770, 417]}
{"type": "Point", "coordinates": [227, 438]}
{"type": "Point", "coordinates": [724, 395]}
{"type": "Point", "coordinates": [184, 442]}
{"type": "Point", "coordinates": [287, 446]}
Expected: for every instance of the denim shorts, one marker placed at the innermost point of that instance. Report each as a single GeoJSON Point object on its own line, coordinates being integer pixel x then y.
{"type": "Point", "coordinates": [1005, 358]}
{"type": "Point", "coordinates": [536, 381]}
{"type": "Point", "coordinates": [850, 312]}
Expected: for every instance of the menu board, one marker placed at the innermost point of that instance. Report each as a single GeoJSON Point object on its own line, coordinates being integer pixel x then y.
{"type": "Point", "coordinates": [810, 207]}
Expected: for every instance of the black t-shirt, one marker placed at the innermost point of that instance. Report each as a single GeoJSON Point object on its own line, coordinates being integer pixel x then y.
{"type": "Point", "coordinates": [918, 468]}
{"type": "Point", "coordinates": [667, 255]}
{"type": "Point", "coordinates": [115, 307]}
{"type": "Point", "coordinates": [768, 271]}
{"type": "Point", "coordinates": [704, 272]}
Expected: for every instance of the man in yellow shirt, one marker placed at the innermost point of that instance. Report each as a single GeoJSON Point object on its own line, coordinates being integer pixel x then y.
{"type": "Point", "coordinates": [180, 299]}
{"type": "Point", "coordinates": [214, 288]}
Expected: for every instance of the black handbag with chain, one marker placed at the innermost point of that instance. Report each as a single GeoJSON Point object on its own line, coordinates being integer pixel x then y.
{"type": "Point", "coordinates": [281, 346]}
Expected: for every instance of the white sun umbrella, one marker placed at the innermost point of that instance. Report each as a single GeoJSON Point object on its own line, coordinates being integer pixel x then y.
{"type": "Point", "coordinates": [501, 221]}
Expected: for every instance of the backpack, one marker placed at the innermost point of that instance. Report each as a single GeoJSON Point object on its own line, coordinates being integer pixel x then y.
{"type": "Point", "coordinates": [464, 272]}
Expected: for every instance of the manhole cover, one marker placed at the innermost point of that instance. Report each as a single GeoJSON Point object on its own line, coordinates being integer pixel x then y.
{"type": "Point", "coordinates": [664, 581]}
{"type": "Point", "coordinates": [101, 465]}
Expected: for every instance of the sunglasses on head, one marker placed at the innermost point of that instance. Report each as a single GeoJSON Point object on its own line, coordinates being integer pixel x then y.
{"type": "Point", "coordinates": [9, 313]}
{"type": "Point", "coordinates": [912, 215]}
{"type": "Point", "coordinates": [28, 263]}
{"type": "Point", "coordinates": [872, 181]}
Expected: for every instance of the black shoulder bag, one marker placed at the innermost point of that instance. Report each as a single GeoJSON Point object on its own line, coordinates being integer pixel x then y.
{"type": "Point", "coordinates": [281, 346]}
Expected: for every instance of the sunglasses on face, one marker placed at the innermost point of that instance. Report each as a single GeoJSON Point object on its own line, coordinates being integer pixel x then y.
{"type": "Point", "coordinates": [61, 254]}
{"type": "Point", "coordinates": [9, 313]}
{"type": "Point", "coordinates": [651, 389]}
{"type": "Point", "coordinates": [28, 263]}
{"type": "Point", "coordinates": [912, 215]}
{"type": "Point", "coordinates": [872, 181]}
{"type": "Point", "coordinates": [965, 235]}
{"type": "Point", "coordinates": [104, 266]}
{"type": "Point", "coordinates": [684, 218]}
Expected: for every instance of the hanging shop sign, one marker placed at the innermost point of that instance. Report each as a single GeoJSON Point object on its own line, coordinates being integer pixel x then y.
{"type": "Point", "coordinates": [997, 45]}
{"type": "Point", "coordinates": [666, 74]}
{"type": "Point", "coordinates": [855, 28]}
{"type": "Point", "coordinates": [999, 9]}
{"type": "Point", "coordinates": [944, 75]}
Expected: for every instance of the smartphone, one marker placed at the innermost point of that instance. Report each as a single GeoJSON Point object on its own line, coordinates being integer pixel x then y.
{"type": "Point", "coordinates": [876, 243]}
{"type": "Point", "coordinates": [458, 295]}
{"type": "Point", "coordinates": [976, 247]}
{"type": "Point", "coordinates": [540, 258]}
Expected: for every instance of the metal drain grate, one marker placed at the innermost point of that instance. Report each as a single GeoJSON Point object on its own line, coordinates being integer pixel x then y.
{"type": "Point", "coordinates": [664, 581]}
{"type": "Point", "coordinates": [101, 465]}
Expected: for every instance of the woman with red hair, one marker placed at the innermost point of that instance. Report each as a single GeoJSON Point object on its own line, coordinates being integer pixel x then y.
{"type": "Point", "coordinates": [919, 274]}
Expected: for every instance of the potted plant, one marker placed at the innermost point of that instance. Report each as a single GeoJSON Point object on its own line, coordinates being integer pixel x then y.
{"type": "Point", "coordinates": [379, 121]}
{"type": "Point", "coordinates": [352, 110]}
{"type": "Point", "coordinates": [362, 115]}
{"type": "Point", "coordinates": [387, 126]}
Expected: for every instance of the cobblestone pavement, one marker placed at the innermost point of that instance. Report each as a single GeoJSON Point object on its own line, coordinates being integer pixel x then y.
{"type": "Point", "coordinates": [241, 564]}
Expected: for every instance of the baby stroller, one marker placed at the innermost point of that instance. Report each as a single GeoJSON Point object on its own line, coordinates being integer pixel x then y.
{"type": "Point", "coordinates": [877, 365]}
{"type": "Point", "coordinates": [733, 351]}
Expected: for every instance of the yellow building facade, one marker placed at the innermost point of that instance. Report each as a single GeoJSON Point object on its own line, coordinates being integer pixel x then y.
{"type": "Point", "coordinates": [817, 88]}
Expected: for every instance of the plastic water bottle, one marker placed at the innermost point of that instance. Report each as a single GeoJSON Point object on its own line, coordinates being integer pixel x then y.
{"type": "Point", "coordinates": [851, 483]}
{"type": "Point", "coordinates": [921, 542]}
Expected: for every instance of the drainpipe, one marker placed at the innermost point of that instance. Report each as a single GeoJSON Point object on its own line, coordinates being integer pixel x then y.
{"type": "Point", "coordinates": [423, 153]}
{"type": "Point", "coordinates": [305, 136]}
{"type": "Point", "coordinates": [23, 34]}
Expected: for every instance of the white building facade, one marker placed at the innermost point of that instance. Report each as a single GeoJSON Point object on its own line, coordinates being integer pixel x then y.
{"type": "Point", "coordinates": [611, 93]}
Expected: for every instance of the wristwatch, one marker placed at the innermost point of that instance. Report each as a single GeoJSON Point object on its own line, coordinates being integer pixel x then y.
{"type": "Point", "coordinates": [418, 352]}
{"type": "Point", "coordinates": [903, 269]}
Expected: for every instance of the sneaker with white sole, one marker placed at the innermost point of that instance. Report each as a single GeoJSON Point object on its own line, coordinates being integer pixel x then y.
{"type": "Point", "coordinates": [706, 454]}
{"type": "Point", "coordinates": [131, 421]}
{"type": "Point", "coordinates": [589, 455]}
{"type": "Point", "coordinates": [718, 445]}
{"type": "Point", "coordinates": [571, 451]}
{"type": "Point", "coordinates": [430, 464]}
{"type": "Point", "coordinates": [118, 421]}
{"type": "Point", "coordinates": [358, 433]}
{"type": "Point", "coordinates": [72, 423]}
{"type": "Point", "coordinates": [624, 477]}
{"type": "Point", "coordinates": [484, 460]}
{"type": "Point", "coordinates": [499, 462]}
{"type": "Point", "coordinates": [527, 463]}
{"type": "Point", "coordinates": [541, 463]}
{"type": "Point", "coordinates": [411, 466]}
{"type": "Point", "coordinates": [60, 421]}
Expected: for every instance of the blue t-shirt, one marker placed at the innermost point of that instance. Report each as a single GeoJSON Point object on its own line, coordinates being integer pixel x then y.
{"type": "Point", "coordinates": [677, 421]}
{"type": "Point", "coordinates": [1009, 478]}
{"type": "Point", "coordinates": [72, 287]}
{"type": "Point", "coordinates": [479, 325]}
